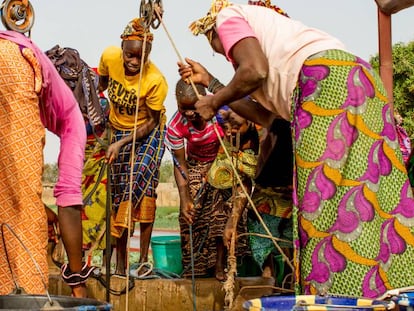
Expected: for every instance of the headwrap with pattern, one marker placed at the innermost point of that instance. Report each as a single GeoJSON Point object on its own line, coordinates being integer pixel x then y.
{"type": "Point", "coordinates": [269, 5]}
{"type": "Point", "coordinates": [204, 24]}
{"type": "Point", "coordinates": [135, 30]}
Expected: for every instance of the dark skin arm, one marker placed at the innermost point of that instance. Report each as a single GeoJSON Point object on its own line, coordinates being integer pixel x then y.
{"type": "Point", "coordinates": [251, 67]}
{"type": "Point", "coordinates": [141, 132]}
{"type": "Point", "coordinates": [253, 111]}
{"type": "Point", "coordinates": [52, 224]}
{"type": "Point", "coordinates": [103, 83]}
{"type": "Point", "coordinates": [186, 203]}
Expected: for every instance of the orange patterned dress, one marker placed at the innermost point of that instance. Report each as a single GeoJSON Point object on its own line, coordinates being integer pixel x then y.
{"type": "Point", "coordinates": [22, 135]}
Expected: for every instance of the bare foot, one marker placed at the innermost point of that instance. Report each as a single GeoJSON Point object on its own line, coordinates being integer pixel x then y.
{"type": "Point", "coordinates": [267, 272]}
{"type": "Point", "coordinates": [144, 269]}
{"type": "Point", "coordinates": [220, 273]}
{"type": "Point", "coordinates": [120, 271]}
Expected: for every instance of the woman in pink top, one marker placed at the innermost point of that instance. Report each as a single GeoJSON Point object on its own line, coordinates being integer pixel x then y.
{"type": "Point", "coordinates": [33, 96]}
{"type": "Point", "coordinates": [352, 198]}
{"type": "Point", "coordinates": [194, 144]}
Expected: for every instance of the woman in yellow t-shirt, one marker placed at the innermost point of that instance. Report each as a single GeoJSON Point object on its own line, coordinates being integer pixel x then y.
{"type": "Point", "coordinates": [136, 91]}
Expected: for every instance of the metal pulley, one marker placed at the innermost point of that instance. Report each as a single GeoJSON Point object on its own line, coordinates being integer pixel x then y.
{"type": "Point", "coordinates": [148, 13]}
{"type": "Point", "coordinates": [17, 15]}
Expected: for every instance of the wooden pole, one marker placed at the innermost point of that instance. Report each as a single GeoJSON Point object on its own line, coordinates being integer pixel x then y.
{"type": "Point", "coordinates": [385, 54]}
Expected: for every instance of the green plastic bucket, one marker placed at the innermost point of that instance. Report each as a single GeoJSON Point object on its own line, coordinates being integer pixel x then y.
{"type": "Point", "coordinates": [166, 252]}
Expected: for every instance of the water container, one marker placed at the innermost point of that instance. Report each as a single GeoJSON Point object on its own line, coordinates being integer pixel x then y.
{"type": "Point", "coordinates": [316, 303]}
{"type": "Point", "coordinates": [39, 302]}
{"type": "Point", "coordinates": [166, 252]}
{"type": "Point", "coordinates": [405, 301]}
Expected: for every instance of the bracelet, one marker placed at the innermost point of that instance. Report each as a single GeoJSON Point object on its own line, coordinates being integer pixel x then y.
{"type": "Point", "coordinates": [214, 85]}
{"type": "Point", "coordinates": [73, 279]}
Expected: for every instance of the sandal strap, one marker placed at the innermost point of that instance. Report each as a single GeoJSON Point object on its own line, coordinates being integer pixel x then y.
{"type": "Point", "coordinates": [75, 278]}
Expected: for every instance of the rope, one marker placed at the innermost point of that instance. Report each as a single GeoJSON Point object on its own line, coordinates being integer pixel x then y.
{"type": "Point", "coordinates": [214, 121]}
{"type": "Point", "coordinates": [198, 194]}
{"type": "Point", "coordinates": [180, 58]}
{"type": "Point", "coordinates": [236, 174]}
{"type": "Point", "coordinates": [144, 47]}
{"type": "Point", "coordinates": [18, 289]}
{"type": "Point", "coordinates": [192, 268]}
{"type": "Point", "coordinates": [229, 284]}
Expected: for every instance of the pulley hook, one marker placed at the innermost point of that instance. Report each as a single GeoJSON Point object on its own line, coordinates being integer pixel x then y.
{"type": "Point", "coordinates": [17, 15]}
{"type": "Point", "coordinates": [148, 13]}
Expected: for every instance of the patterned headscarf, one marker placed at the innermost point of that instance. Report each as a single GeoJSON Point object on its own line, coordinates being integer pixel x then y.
{"type": "Point", "coordinates": [268, 4]}
{"type": "Point", "coordinates": [204, 24]}
{"type": "Point", "coordinates": [135, 30]}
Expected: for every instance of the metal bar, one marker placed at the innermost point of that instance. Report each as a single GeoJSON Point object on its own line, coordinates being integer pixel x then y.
{"type": "Point", "coordinates": [385, 54]}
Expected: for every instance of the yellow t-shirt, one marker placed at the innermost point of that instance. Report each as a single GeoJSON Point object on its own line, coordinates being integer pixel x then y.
{"type": "Point", "coordinates": [122, 90]}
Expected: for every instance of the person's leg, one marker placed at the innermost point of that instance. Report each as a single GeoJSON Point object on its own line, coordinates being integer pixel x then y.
{"type": "Point", "coordinates": [145, 238]}
{"type": "Point", "coordinates": [71, 230]}
{"type": "Point", "coordinates": [121, 245]}
{"type": "Point", "coordinates": [107, 254]}
{"type": "Point", "coordinates": [221, 260]}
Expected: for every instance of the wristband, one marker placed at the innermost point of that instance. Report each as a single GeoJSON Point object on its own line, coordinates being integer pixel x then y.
{"type": "Point", "coordinates": [214, 85]}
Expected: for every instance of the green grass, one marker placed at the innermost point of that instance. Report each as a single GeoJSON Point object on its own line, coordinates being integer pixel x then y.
{"type": "Point", "coordinates": [167, 218]}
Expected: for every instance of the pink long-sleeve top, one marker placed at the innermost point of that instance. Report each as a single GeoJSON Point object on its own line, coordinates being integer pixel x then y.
{"type": "Point", "coordinates": [60, 114]}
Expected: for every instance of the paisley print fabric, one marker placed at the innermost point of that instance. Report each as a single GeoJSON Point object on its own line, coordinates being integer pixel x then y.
{"type": "Point", "coordinates": [353, 205]}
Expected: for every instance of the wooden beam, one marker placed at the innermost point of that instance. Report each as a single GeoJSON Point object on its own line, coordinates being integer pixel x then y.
{"type": "Point", "coordinates": [385, 54]}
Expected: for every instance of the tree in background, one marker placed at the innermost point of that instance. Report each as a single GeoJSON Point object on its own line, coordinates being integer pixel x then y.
{"type": "Point", "coordinates": [403, 85]}
{"type": "Point", "coordinates": [167, 172]}
{"type": "Point", "coordinates": [50, 173]}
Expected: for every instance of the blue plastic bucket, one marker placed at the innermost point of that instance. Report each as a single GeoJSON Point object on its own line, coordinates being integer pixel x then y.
{"type": "Point", "coordinates": [405, 301]}
{"type": "Point", "coordinates": [166, 252]}
{"type": "Point", "coordinates": [315, 303]}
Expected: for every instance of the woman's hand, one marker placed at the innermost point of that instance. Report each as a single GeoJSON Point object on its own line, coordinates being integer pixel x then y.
{"type": "Point", "coordinates": [205, 107]}
{"type": "Point", "coordinates": [194, 71]}
{"type": "Point", "coordinates": [112, 152]}
{"type": "Point", "coordinates": [187, 211]}
{"type": "Point", "coordinates": [52, 224]}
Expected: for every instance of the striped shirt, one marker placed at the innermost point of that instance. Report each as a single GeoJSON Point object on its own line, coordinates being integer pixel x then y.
{"type": "Point", "coordinates": [201, 145]}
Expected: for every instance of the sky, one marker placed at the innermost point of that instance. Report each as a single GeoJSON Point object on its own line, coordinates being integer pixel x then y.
{"type": "Point", "coordinates": [91, 25]}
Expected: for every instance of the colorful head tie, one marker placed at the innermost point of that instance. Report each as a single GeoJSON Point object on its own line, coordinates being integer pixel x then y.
{"type": "Point", "coordinates": [269, 5]}
{"type": "Point", "coordinates": [135, 30]}
{"type": "Point", "coordinates": [204, 24]}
